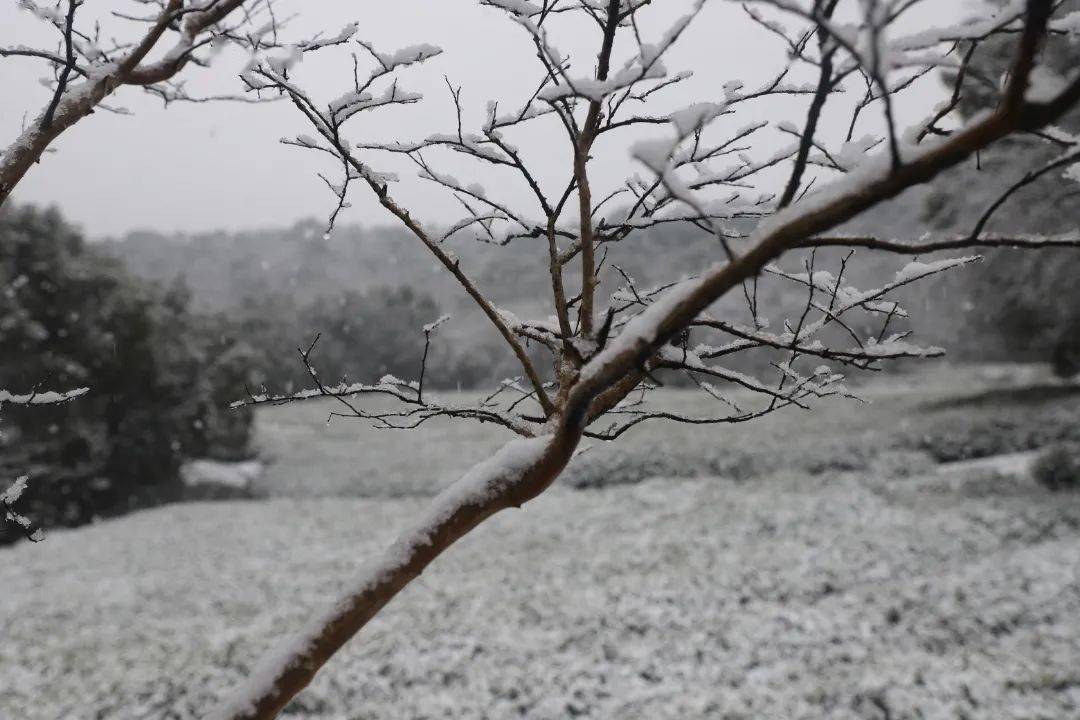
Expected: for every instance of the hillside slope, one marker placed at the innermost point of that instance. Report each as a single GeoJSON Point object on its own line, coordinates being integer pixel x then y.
{"type": "Point", "coordinates": [794, 597]}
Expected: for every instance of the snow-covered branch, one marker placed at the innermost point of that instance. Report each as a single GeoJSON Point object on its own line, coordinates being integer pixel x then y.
{"type": "Point", "coordinates": [40, 397]}
{"type": "Point", "coordinates": [91, 68]}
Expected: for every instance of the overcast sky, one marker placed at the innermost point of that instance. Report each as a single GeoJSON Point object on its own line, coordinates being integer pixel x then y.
{"type": "Point", "coordinates": [201, 167]}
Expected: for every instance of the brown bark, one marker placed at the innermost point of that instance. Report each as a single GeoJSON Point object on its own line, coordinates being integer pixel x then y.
{"type": "Point", "coordinates": [581, 174]}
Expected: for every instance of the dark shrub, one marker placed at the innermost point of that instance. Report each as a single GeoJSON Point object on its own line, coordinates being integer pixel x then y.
{"type": "Point", "coordinates": [1058, 467]}
{"type": "Point", "coordinates": [1066, 358]}
{"type": "Point", "coordinates": [159, 377]}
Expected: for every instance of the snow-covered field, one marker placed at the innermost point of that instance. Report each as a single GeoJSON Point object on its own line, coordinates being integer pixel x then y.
{"type": "Point", "coordinates": [919, 593]}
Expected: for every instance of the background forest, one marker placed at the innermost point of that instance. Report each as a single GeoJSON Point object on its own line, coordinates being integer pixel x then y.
{"type": "Point", "coordinates": [170, 328]}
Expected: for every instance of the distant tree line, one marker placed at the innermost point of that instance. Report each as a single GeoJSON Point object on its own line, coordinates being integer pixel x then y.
{"type": "Point", "coordinates": [158, 373]}
{"type": "Point", "coordinates": [284, 285]}
{"type": "Point", "coordinates": [360, 339]}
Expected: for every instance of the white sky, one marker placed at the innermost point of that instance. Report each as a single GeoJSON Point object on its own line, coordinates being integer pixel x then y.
{"type": "Point", "coordinates": [201, 167]}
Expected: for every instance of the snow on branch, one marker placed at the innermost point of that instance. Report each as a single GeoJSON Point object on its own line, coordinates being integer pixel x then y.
{"type": "Point", "coordinates": [89, 65]}
{"type": "Point", "coordinates": [8, 498]}
{"type": "Point", "coordinates": [40, 397]}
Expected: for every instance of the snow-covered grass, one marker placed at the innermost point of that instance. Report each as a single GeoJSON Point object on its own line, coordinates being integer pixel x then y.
{"type": "Point", "coordinates": [904, 592]}
{"type": "Point", "coordinates": [786, 597]}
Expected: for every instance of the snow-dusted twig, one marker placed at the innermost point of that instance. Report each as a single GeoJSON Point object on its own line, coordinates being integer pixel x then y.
{"type": "Point", "coordinates": [89, 71]}
{"type": "Point", "coordinates": [36, 397]}
{"type": "Point", "coordinates": [8, 498]}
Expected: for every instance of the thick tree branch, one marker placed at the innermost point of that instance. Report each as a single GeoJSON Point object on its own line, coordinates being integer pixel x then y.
{"type": "Point", "coordinates": [70, 104]}
{"type": "Point", "coordinates": [514, 475]}
{"type": "Point", "coordinates": [959, 242]}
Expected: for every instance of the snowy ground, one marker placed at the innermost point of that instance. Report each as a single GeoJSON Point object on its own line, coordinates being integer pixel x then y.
{"type": "Point", "coordinates": [947, 593]}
